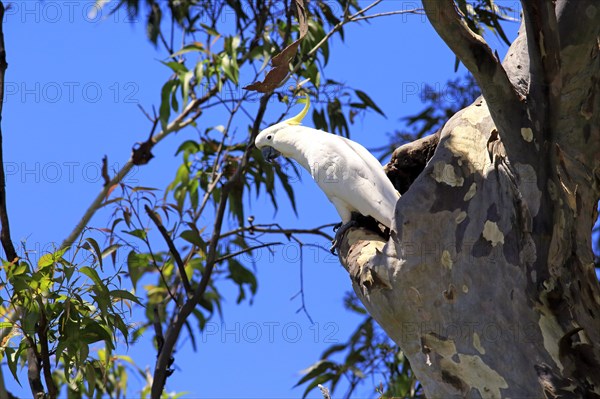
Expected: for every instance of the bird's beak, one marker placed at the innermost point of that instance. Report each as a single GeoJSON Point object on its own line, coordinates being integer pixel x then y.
{"type": "Point", "coordinates": [270, 153]}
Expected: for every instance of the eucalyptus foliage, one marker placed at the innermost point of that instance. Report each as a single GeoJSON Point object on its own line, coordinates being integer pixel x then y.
{"type": "Point", "coordinates": [65, 306]}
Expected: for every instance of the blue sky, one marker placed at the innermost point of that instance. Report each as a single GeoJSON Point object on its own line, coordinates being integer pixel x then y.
{"type": "Point", "coordinates": [72, 90]}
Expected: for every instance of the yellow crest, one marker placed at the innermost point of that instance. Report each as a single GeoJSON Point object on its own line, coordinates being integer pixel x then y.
{"type": "Point", "coordinates": [296, 120]}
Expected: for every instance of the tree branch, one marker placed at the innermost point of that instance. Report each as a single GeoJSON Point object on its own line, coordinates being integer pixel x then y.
{"type": "Point", "coordinates": [545, 61]}
{"type": "Point", "coordinates": [173, 331]}
{"type": "Point", "coordinates": [34, 373]}
{"type": "Point", "coordinates": [9, 249]}
{"type": "Point", "coordinates": [5, 237]}
{"type": "Point", "coordinates": [478, 58]}
{"type": "Point", "coordinates": [164, 358]}
{"type": "Point", "coordinates": [160, 339]}
{"type": "Point", "coordinates": [172, 249]}
{"type": "Point", "coordinates": [387, 14]}
{"type": "Point", "coordinates": [42, 329]}
{"type": "Point", "coordinates": [190, 112]}
{"type": "Point", "coordinates": [276, 229]}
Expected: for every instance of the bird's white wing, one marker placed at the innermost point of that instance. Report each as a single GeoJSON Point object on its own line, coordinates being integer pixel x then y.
{"type": "Point", "coordinates": [353, 177]}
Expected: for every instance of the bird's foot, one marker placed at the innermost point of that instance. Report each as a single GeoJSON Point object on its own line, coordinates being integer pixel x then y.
{"type": "Point", "coordinates": [337, 226]}
{"type": "Point", "coordinates": [340, 231]}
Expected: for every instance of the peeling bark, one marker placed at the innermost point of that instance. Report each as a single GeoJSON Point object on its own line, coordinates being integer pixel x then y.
{"type": "Point", "coordinates": [487, 281]}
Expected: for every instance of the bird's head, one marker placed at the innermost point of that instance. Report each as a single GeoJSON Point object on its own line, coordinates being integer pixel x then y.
{"type": "Point", "coordinates": [269, 140]}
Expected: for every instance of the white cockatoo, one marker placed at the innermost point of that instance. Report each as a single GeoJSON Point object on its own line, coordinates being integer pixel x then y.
{"type": "Point", "coordinates": [350, 176]}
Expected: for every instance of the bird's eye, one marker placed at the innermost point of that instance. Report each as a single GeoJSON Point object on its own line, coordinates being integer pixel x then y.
{"type": "Point", "coordinates": [269, 137]}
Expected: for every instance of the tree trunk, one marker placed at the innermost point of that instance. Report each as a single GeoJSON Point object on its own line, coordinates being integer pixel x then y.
{"type": "Point", "coordinates": [487, 282]}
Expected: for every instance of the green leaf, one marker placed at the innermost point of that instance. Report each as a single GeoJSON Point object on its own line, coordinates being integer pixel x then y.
{"type": "Point", "coordinates": [188, 147]}
{"type": "Point", "coordinates": [11, 360]}
{"type": "Point", "coordinates": [230, 68]}
{"type": "Point", "coordinates": [6, 324]}
{"type": "Point", "coordinates": [316, 370]}
{"type": "Point", "coordinates": [90, 374]}
{"type": "Point", "coordinates": [139, 233]}
{"type": "Point", "coordinates": [368, 102]}
{"type": "Point", "coordinates": [185, 79]}
{"type": "Point", "coordinates": [136, 265]}
{"type": "Point", "coordinates": [165, 102]}
{"type": "Point", "coordinates": [176, 67]}
{"type": "Point", "coordinates": [242, 276]}
{"type": "Point", "coordinates": [319, 120]}
{"type": "Point", "coordinates": [232, 43]}
{"type": "Point", "coordinates": [121, 326]}
{"type": "Point", "coordinates": [201, 319]}
{"type": "Point", "coordinates": [196, 46]}
{"type": "Point", "coordinates": [19, 269]}
{"type": "Point", "coordinates": [93, 275]}
{"type": "Point", "coordinates": [109, 250]}
{"type": "Point", "coordinates": [284, 179]}
{"type": "Point", "coordinates": [333, 349]}
{"type": "Point", "coordinates": [209, 30]}
{"type": "Point", "coordinates": [46, 260]}
{"type": "Point", "coordinates": [96, 248]}
{"type": "Point", "coordinates": [123, 294]}
{"type": "Point", "coordinates": [174, 102]}
{"type": "Point", "coordinates": [153, 24]}
{"type": "Point", "coordinates": [49, 259]}
{"type": "Point", "coordinates": [94, 332]}
{"type": "Point", "coordinates": [193, 237]}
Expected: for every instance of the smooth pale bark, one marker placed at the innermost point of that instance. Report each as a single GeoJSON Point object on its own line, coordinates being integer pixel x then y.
{"type": "Point", "coordinates": [487, 282]}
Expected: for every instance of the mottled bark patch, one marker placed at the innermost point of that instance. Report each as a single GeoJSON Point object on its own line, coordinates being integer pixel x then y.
{"type": "Point", "coordinates": [455, 381]}
{"type": "Point", "coordinates": [511, 246]}
{"type": "Point", "coordinates": [450, 198]}
{"type": "Point", "coordinates": [492, 233]}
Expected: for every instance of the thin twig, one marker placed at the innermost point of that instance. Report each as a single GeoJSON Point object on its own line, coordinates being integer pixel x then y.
{"type": "Point", "coordinates": [208, 193]}
{"type": "Point", "coordinates": [302, 298]}
{"type": "Point", "coordinates": [367, 8]}
{"type": "Point", "coordinates": [388, 13]}
{"type": "Point", "coordinates": [246, 250]}
{"type": "Point", "coordinates": [259, 228]}
{"type": "Point", "coordinates": [165, 234]}
{"type": "Point", "coordinates": [347, 19]}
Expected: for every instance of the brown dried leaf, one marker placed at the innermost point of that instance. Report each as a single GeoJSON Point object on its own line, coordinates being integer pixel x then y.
{"type": "Point", "coordinates": [280, 62]}
{"type": "Point", "coordinates": [279, 71]}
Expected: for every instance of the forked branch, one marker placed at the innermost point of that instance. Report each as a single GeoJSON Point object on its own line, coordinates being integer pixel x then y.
{"type": "Point", "coordinates": [174, 252]}
{"type": "Point", "coordinates": [476, 55]}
